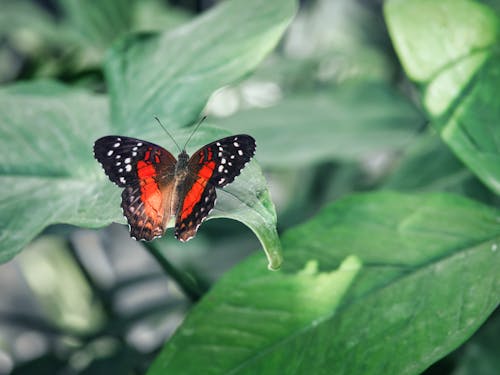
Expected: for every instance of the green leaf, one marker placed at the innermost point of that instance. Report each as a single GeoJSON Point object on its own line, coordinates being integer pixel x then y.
{"type": "Point", "coordinates": [375, 283]}
{"type": "Point", "coordinates": [347, 122]}
{"type": "Point", "coordinates": [48, 174]}
{"type": "Point", "coordinates": [171, 75]}
{"type": "Point", "coordinates": [450, 48]}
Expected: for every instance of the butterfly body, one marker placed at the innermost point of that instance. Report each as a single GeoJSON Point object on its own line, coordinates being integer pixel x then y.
{"type": "Point", "coordinates": [158, 187]}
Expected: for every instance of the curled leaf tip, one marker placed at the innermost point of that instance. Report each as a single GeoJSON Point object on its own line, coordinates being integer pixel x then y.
{"type": "Point", "coordinates": [274, 258]}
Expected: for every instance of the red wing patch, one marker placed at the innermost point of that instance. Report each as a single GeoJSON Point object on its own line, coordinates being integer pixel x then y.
{"type": "Point", "coordinates": [198, 202]}
{"type": "Point", "coordinates": [186, 225]}
{"type": "Point", "coordinates": [150, 191]}
{"type": "Point", "coordinates": [194, 195]}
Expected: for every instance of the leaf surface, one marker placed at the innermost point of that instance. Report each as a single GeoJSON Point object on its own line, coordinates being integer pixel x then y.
{"type": "Point", "coordinates": [450, 49]}
{"type": "Point", "coordinates": [171, 75]}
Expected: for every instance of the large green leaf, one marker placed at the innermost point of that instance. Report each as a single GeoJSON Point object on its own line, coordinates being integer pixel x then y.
{"type": "Point", "coordinates": [347, 122]}
{"type": "Point", "coordinates": [47, 171]}
{"type": "Point", "coordinates": [171, 75]}
{"type": "Point", "coordinates": [375, 283]}
{"type": "Point", "coordinates": [450, 48]}
{"type": "Point", "coordinates": [48, 174]}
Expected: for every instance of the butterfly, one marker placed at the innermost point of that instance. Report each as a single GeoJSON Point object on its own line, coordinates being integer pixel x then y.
{"type": "Point", "coordinates": [156, 186]}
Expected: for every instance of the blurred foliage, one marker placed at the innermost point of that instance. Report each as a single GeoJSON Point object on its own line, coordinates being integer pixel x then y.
{"type": "Point", "coordinates": [71, 43]}
{"type": "Point", "coordinates": [350, 97]}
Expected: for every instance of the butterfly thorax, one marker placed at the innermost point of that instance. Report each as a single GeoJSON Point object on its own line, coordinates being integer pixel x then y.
{"type": "Point", "coordinates": [181, 165]}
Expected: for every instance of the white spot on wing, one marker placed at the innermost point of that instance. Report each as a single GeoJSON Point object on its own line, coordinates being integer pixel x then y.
{"type": "Point", "coordinates": [134, 153]}
{"type": "Point", "coordinates": [139, 144]}
{"type": "Point", "coordinates": [221, 168]}
{"type": "Point", "coordinates": [236, 144]}
{"type": "Point", "coordinates": [240, 152]}
{"type": "Point", "coordinates": [127, 160]}
{"type": "Point", "coordinates": [122, 180]}
{"type": "Point", "coordinates": [223, 161]}
{"type": "Point", "coordinates": [110, 152]}
{"type": "Point", "coordinates": [128, 167]}
{"type": "Point", "coordinates": [117, 144]}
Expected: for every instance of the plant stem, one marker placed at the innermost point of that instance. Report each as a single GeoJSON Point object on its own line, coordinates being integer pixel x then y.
{"type": "Point", "coordinates": [188, 285]}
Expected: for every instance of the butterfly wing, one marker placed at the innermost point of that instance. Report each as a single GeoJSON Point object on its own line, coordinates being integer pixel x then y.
{"type": "Point", "coordinates": [214, 165]}
{"type": "Point", "coordinates": [146, 172]}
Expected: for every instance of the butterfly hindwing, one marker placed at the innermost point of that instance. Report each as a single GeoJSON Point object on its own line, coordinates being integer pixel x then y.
{"type": "Point", "coordinates": [146, 173]}
{"type": "Point", "coordinates": [147, 215]}
{"type": "Point", "coordinates": [214, 165]}
{"type": "Point", "coordinates": [194, 211]}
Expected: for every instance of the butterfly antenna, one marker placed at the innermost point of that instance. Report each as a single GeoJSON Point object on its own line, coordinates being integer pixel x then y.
{"type": "Point", "coordinates": [194, 131]}
{"type": "Point", "coordinates": [166, 131]}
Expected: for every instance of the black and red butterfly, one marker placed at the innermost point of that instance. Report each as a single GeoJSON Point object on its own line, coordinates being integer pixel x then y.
{"type": "Point", "coordinates": [157, 186]}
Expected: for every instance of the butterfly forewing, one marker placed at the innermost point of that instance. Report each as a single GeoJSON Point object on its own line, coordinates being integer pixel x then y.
{"type": "Point", "coordinates": [229, 155]}
{"type": "Point", "coordinates": [146, 172]}
{"type": "Point", "coordinates": [214, 165]}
